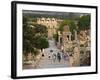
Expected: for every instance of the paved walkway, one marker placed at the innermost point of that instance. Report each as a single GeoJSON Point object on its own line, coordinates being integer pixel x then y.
{"type": "Point", "coordinates": [47, 62]}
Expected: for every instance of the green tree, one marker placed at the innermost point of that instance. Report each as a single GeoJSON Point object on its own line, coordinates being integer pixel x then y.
{"type": "Point", "coordinates": [41, 42]}
{"type": "Point", "coordinates": [28, 34]}
{"type": "Point", "coordinates": [31, 40]}
{"type": "Point", "coordinates": [40, 28]}
{"type": "Point", "coordinates": [84, 22]}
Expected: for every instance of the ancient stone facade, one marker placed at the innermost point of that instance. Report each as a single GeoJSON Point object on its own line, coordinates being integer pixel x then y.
{"type": "Point", "coordinates": [51, 24]}
{"type": "Point", "coordinates": [65, 38]}
{"type": "Point", "coordinates": [77, 54]}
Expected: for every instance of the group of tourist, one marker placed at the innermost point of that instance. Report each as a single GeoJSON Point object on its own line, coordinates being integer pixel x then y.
{"type": "Point", "coordinates": [58, 56]}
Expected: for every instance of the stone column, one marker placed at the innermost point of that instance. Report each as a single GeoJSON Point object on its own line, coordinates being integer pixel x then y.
{"type": "Point", "coordinates": [59, 36]}
{"type": "Point", "coordinates": [71, 61]}
{"type": "Point", "coordinates": [76, 56]}
{"type": "Point", "coordinates": [70, 37]}
{"type": "Point", "coordinates": [75, 32]}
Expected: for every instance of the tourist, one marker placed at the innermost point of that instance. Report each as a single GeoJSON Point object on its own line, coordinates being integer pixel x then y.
{"type": "Point", "coordinates": [49, 57]}
{"type": "Point", "coordinates": [42, 55]}
{"type": "Point", "coordinates": [59, 56]}
{"type": "Point", "coordinates": [54, 57]}
{"type": "Point", "coordinates": [65, 56]}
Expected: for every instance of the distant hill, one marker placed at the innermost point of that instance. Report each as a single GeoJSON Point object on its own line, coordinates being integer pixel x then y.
{"type": "Point", "coordinates": [60, 15]}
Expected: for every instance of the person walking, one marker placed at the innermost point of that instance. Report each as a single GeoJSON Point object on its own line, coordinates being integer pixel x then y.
{"type": "Point", "coordinates": [65, 56]}
{"type": "Point", "coordinates": [54, 57]}
{"type": "Point", "coordinates": [58, 56]}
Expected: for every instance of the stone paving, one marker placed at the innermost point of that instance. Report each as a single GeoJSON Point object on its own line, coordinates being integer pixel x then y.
{"type": "Point", "coordinates": [47, 62]}
{"type": "Point", "coordinates": [50, 62]}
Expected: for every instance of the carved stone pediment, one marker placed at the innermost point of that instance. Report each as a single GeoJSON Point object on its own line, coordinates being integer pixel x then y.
{"type": "Point", "coordinates": [66, 28]}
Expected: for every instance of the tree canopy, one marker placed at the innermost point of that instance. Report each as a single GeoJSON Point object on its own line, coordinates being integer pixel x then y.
{"type": "Point", "coordinates": [32, 41]}
{"type": "Point", "coordinates": [27, 37]}
{"type": "Point", "coordinates": [41, 42]}
{"type": "Point", "coordinates": [84, 22]}
{"type": "Point", "coordinates": [38, 28]}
